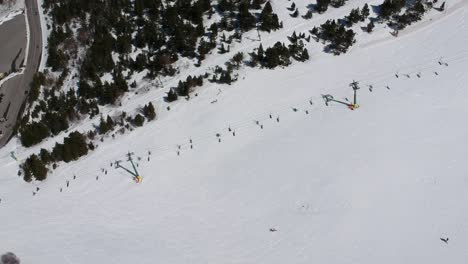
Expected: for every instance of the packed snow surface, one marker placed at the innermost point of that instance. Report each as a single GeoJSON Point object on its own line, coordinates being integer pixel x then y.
{"type": "Point", "coordinates": [380, 184]}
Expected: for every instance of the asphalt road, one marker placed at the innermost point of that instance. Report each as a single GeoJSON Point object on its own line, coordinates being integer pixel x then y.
{"type": "Point", "coordinates": [16, 89]}
{"type": "Point", "coordinates": [12, 43]}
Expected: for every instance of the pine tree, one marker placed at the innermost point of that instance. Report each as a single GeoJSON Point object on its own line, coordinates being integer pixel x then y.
{"type": "Point", "coordinates": [246, 19]}
{"type": "Point", "coordinates": [138, 120]}
{"type": "Point", "coordinates": [33, 133]}
{"type": "Point", "coordinates": [365, 12]}
{"type": "Point", "coordinates": [295, 14]}
{"type": "Point", "coordinates": [237, 59]}
{"type": "Point", "coordinates": [171, 95]}
{"type": "Point", "coordinates": [337, 3]}
{"type": "Point", "coordinates": [322, 5]}
{"type": "Point", "coordinates": [34, 167]}
{"type": "Point", "coordinates": [103, 127]}
{"type": "Point", "coordinates": [308, 15]}
{"type": "Point", "coordinates": [110, 123]}
{"type": "Point", "coordinates": [268, 20]}
{"type": "Point", "coordinates": [354, 16]}
{"type": "Point", "coordinates": [45, 156]}
{"type": "Point", "coordinates": [149, 112]}
{"type": "Point", "coordinates": [370, 27]}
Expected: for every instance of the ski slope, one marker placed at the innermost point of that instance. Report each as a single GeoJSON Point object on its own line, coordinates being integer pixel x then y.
{"type": "Point", "coordinates": [381, 184]}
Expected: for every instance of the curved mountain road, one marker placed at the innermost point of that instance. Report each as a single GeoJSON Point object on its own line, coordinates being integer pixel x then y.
{"type": "Point", "coordinates": [16, 89]}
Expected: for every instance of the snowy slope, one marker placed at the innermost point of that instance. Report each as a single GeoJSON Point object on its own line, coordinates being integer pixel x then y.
{"type": "Point", "coordinates": [9, 11]}
{"type": "Point", "coordinates": [380, 184]}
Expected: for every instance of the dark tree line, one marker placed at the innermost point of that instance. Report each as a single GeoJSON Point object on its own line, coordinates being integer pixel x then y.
{"type": "Point", "coordinates": [279, 54]}
{"type": "Point", "coordinates": [74, 146]}
{"type": "Point", "coordinates": [109, 31]}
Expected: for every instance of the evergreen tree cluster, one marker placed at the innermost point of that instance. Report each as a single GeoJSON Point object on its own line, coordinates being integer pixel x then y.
{"type": "Point", "coordinates": [73, 147]}
{"type": "Point", "coordinates": [334, 33]}
{"type": "Point", "coordinates": [104, 93]}
{"type": "Point", "coordinates": [223, 76]}
{"type": "Point", "coordinates": [280, 54]}
{"type": "Point", "coordinates": [57, 111]}
{"type": "Point", "coordinates": [322, 5]}
{"type": "Point", "coordinates": [166, 30]}
{"type": "Point", "coordinates": [390, 7]}
{"type": "Point", "coordinates": [356, 15]}
{"type": "Point", "coordinates": [412, 14]}
{"type": "Point", "coordinates": [37, 81]}
{"type": "Point", "coordinates": [106, 125]}
{"type": "Point", "coordinates": [34, 167]}
{"type": "Point", "coordinates": [110, 31]}
{"type": "Point", "coordinates": [391, 11]}
{"type": "Point", "coordinates": [268, 20]}
{"type": "Point", "coordinates": [149, 112]}
{"type": "Point", "coordinates": [184, 88]}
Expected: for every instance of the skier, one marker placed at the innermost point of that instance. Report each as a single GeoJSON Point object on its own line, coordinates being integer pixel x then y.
{"type": "Point", "coordinates": [68, 183]}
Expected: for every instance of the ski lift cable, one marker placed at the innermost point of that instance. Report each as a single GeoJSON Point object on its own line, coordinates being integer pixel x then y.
{"type": "Point", "coordinates": [415, 68]}
{"type": "Point", "coordinates": [264, 116]}
{"type": "Point", "coordinates": [161, 151]}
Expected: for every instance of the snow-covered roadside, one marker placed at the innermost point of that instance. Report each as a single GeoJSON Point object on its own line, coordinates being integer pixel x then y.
{"type": "Point", "coordinates": [45, 33]}
{"type": "Point", "coordinates": [8, 13]}
{"type": "Point", "coordinates": [11, 76]}
{"type": "Point", "coordinates": [28, 33]}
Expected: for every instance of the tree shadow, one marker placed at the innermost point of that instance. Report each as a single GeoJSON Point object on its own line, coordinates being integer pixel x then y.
{"type": "Point", "coordinates": [13, 63]}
